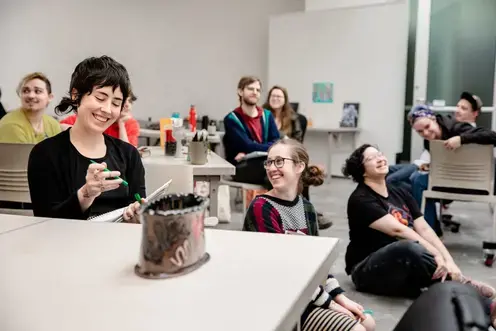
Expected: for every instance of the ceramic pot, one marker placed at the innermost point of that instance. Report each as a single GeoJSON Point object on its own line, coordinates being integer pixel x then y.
{"type": "Point", "coordinates": [173, 239]}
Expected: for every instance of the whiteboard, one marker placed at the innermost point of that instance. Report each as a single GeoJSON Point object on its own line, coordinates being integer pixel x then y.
{"type": "Point", "coordinates": [361, 50]}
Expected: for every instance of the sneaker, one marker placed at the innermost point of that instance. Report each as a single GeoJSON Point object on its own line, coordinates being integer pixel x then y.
{"type": "Point", "coordinates": [484, 289]}
{"type": "Point", "coordinates": [323, 221]}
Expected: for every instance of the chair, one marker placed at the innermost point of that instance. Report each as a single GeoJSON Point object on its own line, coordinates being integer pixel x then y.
{"type": "Point", "coordinates": [468, 171]}
{"type": "Point", "coordinates": [14, 172]}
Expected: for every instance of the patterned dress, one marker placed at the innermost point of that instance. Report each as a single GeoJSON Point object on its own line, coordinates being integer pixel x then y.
{"type": "Point", "coordinates": [270, 214]}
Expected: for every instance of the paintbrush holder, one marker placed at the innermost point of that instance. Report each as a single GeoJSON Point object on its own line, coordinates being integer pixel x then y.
{"type": "Point", "coordinates": [173, 239]}
{"type": "Point", "coordinates": [198, 152]}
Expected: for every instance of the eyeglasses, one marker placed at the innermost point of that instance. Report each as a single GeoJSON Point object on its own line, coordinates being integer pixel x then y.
{"type": "Point", "coordinates": [278, 162]}
{"type": "Point", "coordinates": [373, 157]}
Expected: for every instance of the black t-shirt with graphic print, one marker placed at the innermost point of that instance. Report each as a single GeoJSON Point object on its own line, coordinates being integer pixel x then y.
{"type": "Point", "coordinates": [365, 207]}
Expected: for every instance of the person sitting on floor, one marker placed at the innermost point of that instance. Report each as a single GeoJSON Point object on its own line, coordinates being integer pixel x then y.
{"type": "Point", "coordinates": [29, 124]}
{"type": "Point", "coordinates": [284, 210]}
{"type": "Point", "coordinates": [289, 125]}
{"type": "Point", "coordinates": [126, 128]}
{"type": "Point", "coordinates": [249, 128]}
{"type": "Point", "coordinates": [392, 250]}
{"type": "Point", "coordinates": [67, 174]}
{"type": "Point", "coordinates": [443, 127]}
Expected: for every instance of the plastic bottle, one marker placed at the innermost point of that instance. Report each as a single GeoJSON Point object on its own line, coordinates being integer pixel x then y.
{"type": "Point", "coordinates": [192, 118]}
{"type": "Point", "coordinates": [170, 142]}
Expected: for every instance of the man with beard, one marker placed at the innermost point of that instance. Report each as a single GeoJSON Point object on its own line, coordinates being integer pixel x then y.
{"type": "Point", "coordinates": [249, 128]}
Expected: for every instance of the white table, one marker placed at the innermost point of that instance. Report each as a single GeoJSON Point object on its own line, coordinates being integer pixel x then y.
{"type": "Point", "coordinates": [211, 172]}
{"type": "Point", "coordinates": [14, 222]}
{"type": "Point", "coordinates": [73, 275]}
{"type": "Point", "coordinates": [148, 133]}
{"type": "Point", "coordinates": [334, 137]}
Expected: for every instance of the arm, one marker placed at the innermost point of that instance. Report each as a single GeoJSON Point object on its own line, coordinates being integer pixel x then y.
{"type": "Point", "coordinates": [262, 217]}
{"type": "Point", "coordinates": [426, 232]}
{"type": "Point", "coordinates": [13, 133]}
{"type": "Point", "coordinates": [390, 226]}
{"type": "Point", "coordinates": [133, 131]}
{"type": "Point", "coordinates": [47, 191]}
{"type": "Point", "coordinates": [239, 137]}
{"type": "Point", "coordinates": [122, 131]}
{"type": "Point", "coordinates": [135, 175]}
{"type": "Point", "coordinates": [273, 134]}
{"type": "Point", "coordinates": [470, 135]}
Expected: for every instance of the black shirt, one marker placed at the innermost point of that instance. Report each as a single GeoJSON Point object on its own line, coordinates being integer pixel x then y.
{"type": "Point", "coordinates": [56, 171]}
{"type": "Point", "coordinates": [365, 206]}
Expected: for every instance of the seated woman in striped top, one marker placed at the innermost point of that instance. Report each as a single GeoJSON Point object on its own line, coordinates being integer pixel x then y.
{"type": "Point", "coordinates": [284, 210]}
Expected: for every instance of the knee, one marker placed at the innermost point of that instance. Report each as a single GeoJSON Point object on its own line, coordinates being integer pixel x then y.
{"type": "Point", "coordinates": [410, 249]}
{"type": "Point", "coordinates": [358, 327]}
{"type": "Point", "coordinates": [368, 323]}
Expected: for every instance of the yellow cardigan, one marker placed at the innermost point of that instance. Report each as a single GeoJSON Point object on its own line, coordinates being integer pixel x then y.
{"type": "Point", "coordinates": [16, 128]}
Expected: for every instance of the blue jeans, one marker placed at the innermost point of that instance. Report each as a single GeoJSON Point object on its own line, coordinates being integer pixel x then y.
{"type": "Point", "coordinates": [400, 174]}
{"type": "Point", "coordinates": [420, 183]}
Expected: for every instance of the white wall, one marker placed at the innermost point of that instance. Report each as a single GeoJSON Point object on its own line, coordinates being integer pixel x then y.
{"type": "Point", "coordinates": [178, 52]}
{"type": "Point", "coordinates": [333, 4]}
{"type": "Point", "coordinates": [358, 50]}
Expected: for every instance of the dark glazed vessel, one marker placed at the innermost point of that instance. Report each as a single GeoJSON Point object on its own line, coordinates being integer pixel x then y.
{"type": "Point", "coordinates": [173, 240]}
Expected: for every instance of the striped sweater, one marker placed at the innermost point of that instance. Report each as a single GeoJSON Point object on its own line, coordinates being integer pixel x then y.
{"type": "Point", "coordinates": [270, 214]}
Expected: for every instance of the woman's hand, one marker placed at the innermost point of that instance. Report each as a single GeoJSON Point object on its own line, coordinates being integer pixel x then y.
{"type": "Point", "coordinates": [442, 269]}
{"type": "Point", "coordinates": [453, 270]}
{"type": "Point", "coordinates": [350, 305]}
{"type": "Point", "coordinates": [131, 213]}
{"type": "Point", "coordinates": [340, 309]}
{"type": "Point", "coordinates": [239, 156]}
{"type": "Point", "coordinates": [97, 180]}
{"type": "Point", "coordinates": [453, 143]}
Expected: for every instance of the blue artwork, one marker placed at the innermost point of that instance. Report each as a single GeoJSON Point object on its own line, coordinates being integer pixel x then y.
{"type": "Point", "coordinates": [323, 93]}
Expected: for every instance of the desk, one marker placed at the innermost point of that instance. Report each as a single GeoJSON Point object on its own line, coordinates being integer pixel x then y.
{"type": "Point", "coordinates": [73, 275]}
{"type": "Point", "coordinates": [211, 172]}
{"type": "Point", "coordinates": [215, 139]}
{"type": "Point", "coordinates": [14, 222]}
{"type": "Point", "coordinates": [334, 137]}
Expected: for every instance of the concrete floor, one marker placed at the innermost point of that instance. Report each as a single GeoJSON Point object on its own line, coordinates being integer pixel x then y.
{"type": "Point", "coordinates": [465, 246]}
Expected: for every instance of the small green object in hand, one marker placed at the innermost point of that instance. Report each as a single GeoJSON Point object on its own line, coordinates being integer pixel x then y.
{"type": "Point", "coordinates": [107, 170]}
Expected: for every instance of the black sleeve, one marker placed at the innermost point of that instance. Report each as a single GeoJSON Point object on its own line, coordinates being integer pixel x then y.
{"type": "Point", "coordinates": [136, 174]}
{"type": "Point", "coordinates": [411, 203]}
{"type": "Point", "coordinates": [47, 196]}
{"type": "Point", "coordinates": [470, 135]}
{"type": "Point", "coordinates": [364, 209]}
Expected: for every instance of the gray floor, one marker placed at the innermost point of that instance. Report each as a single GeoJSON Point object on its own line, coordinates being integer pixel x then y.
{"type": "Point", "coordinates": [464, 246]}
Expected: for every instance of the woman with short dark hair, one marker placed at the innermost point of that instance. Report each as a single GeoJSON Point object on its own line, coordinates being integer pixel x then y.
{"type": "Point", "coordinates": [392, 250]}
{"type": "Point", "coordinates": [67, 174]}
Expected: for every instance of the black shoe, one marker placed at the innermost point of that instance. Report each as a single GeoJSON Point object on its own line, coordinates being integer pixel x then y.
{"type": "Point", "coordinates": [323, 221]}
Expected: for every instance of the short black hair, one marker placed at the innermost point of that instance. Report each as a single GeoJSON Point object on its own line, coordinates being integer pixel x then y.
{"type": "Point", "coordinates": [353, 165]}
{"type": "Point", "coordinates": [94, 72]}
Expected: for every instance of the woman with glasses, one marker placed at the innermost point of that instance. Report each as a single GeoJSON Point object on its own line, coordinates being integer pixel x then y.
{"type": "Point", "coordinates": [290, 126]}
{"type": "Point", "coordinates": [284, 210]}
{"type": "Point", "coordinates": [392, 249]}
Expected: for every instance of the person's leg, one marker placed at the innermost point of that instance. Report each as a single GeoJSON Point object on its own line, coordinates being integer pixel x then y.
{"type": "Point", "coordinates": [251, 172]}
{"type": "Point", "coordinates": [316, 318]}
{"type": "Point", "coordinates": [400, 173]}
{"type": "Point", "coordinates": [448, 306]}
{"type": "Point", "coordinates": [402, 268]}
{"type": "Point", "coordinates": [420, 183]}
